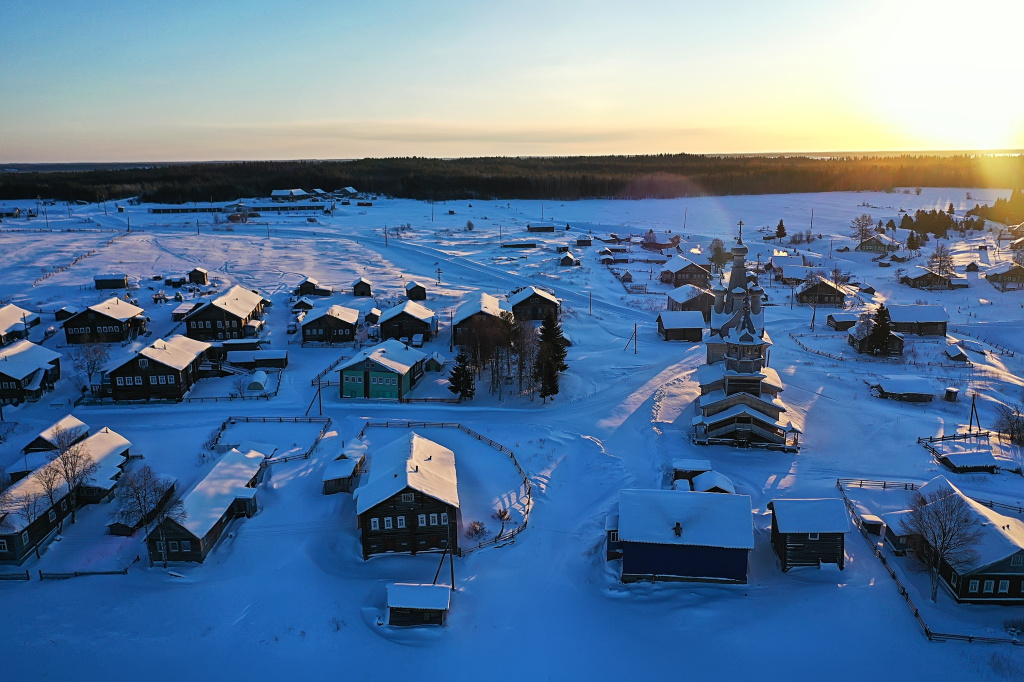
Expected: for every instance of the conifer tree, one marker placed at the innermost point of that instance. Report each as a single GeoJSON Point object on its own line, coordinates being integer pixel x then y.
{"type": "Point", "coordinates": [461, 381]}
{"type": "Point", "coordinates": [550, 357]}
{"type": "Point", "coordinates": [878, 339]}
{"type": "Point", "coordinates": [780, 231]}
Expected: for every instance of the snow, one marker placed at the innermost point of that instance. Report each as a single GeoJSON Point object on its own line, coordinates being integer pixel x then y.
{"type": "Point", "coordinates": [22, 358]}
{"type": "Point", "coordinates": [527, 292]}
{"type": "Point", "coordinates": [903, 384]}
{"type": "Point", "coordinates": [15, 319]}
{"type": "Point", "coordinates": [210, 498]}
{"type": "Point", "coordinates": [811, 515]}
{"type": "Point", "coordinates": [238, 301]}
{"type": "Point", "coordinates": [409, 462]}
{"type": "Point", "coordinates": [682, 319]}
{"type": "Point", "coordinates": [918, 313]}
{"type": "Point", "coordinates": [177, 351]}
{"type": "Point", "coordinates": [338, 312]}
{"type": "Point", "coordinates": [480, 303]}
{"type": "Point", "coordinates": [410, 307]}
{"type": "Point", "coordinates": [339, 468]}
{"type": "Point", "coordinates": [116, 309]}
{"type": "Point", "coordinates": [689, 465]}
{"type": "Point", "coordinates": [68, 423]}
{"type": "Point", "coordinates": [416, 596]}
{"type": "Point", "coordinates": [391, 354]}
{"type": "Point", "coordinates": [708, 480]}
{"type": "Point", "coordinates": [707, 519]}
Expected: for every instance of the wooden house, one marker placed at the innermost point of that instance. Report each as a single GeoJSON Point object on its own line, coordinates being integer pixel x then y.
{"type": "Point", "coordinates": [904, 387]}
{"type": "Point", "coordinates": [411, 501]}
{"type": "Point", "coordinates": [75, 429]}
{"type": "Point", "coordinates": [435, 362]}
{"type": "Point", "coordinates": [584, 240]}
{"type": "Point", "coordinates": [226, 493]}
{"type": "Point", "coordinates": [20, 534]}
{"type": "Point", "coordinates": [414, 604]}
{"type": "Point", "coordinates": [921, 320]}
{"type": "Point", "coordinates": [164, 370]}
{"type": "Point", "coordinates": [822, 292]}
{"type": "Point", "coordinates": [336, 324]}
{"type": "Point", "coordinates": [199, 276]}
{"type": "Point", "coordinates": [111, 281]}
{"type": "Point", "coordinates": [66, 312]}
{"type": "Point", "coordinates": [681, 270]}
{"type": "Point", "coordinates": [312, 287]}
{"type": "Point", "coordinates": [406, 320]}
{"type": "Point", "coordinates": [362, 287]}
{"type": "Point", "coordinates": [27, 371]}
{"type": "Point", "coordinates": [233, 315]}
{"type": "Point", "coordinates": [480, 319]}
{"type": "Point", "coordinates": [415, 291]}
{"type": "Point", "coordinates": [684, 536]}
{"type": "Point", "coordinates": [842, 321]}
{"type": "Point", "coordinates": [683, 325]}
{"type": "Point", "coordinates": [567, 260]}
{"type": "Point", "coordinates": [122, 529]}
{"type": "Point", "coordinates": [533, 303]}
{"type": "Point", "coordinates": [15, 323]}
{"type": "Point", "coordinates": [809, 532]}
{"type": "Point", "coordinates": [1006, 276]}
{"type": "Point", "coordinates": [540, 228]}
{"type": "Point", "coordinates": [920, 277]}
{"type": "Point", "coordinates": [342, 474]}
{"type": "Point", "coordinates": [303, 305]}
{"type": "Point", "coordinates": [112, 321]}
{"type": "Point", "coordinates": [388, 370]}
{"type": "Point", "coordinates": [689, 297]}
{"type": "Point", "coordinates": [878, 243]}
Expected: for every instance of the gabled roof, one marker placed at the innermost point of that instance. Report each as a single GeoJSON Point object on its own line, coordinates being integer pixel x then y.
{"type": "Point", "coordinates": [482, 303]}
{"type": "Point", "coordinates": [410, 307]}
{"type": "Point", "coordinates": [811, 515]}
{"type": "Point", "coordinates": [686, 293]}
{"type": "Point", "coordinates": [238, 301]}
{"type": "Point", "coordinates": [361, 279]}
{"type": "Point", "coordinates": [422, 597]}
{"type": "Point", "coordinates": [681, 319]}
{"type": "Point", "coordinates": [67, 423]}
{"type": "Point", "coordinates": [1003, 268]}
{"type": "Point", "coordinates": [677, 263]}
{"type": "Point", "coordinates": [13, 318]}
{"type": "Point", "coordinates": [736, 411]}
{"type": "Point", "coordinates": [338, 312]}
{"type": "Point", "coordinates": [22, 358]}
{"type": "Point", "coordinates": [919, 271]}
{"type": "Point", "coordinates": [706, 519]}
{"type": "Point", "coordinates": [414, 462]}
{"type": "Point", "coordinates": [110, 275]}
{"type": "Point", "coordinates": [117, 309]}
{"type": "Point", "coordinates": [917, 313]}
{"type": "Point", "coordinates": [391, 354]}
{"type": "Point", "coordinates": [902, 384]}
{"type": "Point", "coordinates": [713, 479]}
{"type": "Point", "coordinates": [226, 482]}
{"type": "Point", "coordinates": [411, 284]}
{"type": "Point", "coordinates": [881, 239]}
{"type": "Point", "coordinates": [177, 352]}
{"type": "Point", "coordinates": [523, 294]}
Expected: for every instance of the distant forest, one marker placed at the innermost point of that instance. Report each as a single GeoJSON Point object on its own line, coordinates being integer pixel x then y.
{"type": "Point", "coordinates": [563, 178]}
{"type": "Point", "coordinates": [1007, 211]}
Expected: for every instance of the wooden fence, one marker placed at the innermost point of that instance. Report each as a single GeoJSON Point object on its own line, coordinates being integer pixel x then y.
{"type": "Point", "coordinates": [78, 574]}
{"type": "Point", "coordinates": [508, 535]}
{"type": "Point", "coordinates": [932, 635]}
{"type": "Point", "coordinates": [316, 380]}
{"type": "Point", "coordinates": [308, 453]}
{"type": "Point", "coordinates": [15, 576]}
{"type": "Point", "coordinates": [1001, 349]}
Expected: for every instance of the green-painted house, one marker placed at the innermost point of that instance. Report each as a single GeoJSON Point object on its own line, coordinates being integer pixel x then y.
{"type": "Point", "coordinates": [388, 370]}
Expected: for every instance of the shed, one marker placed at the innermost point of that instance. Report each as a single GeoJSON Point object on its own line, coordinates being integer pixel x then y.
{"type": "Point", "coordinates": [199, 276]}
{"type": "Point", "coordinates": [688, 468]}
{"type": "Point", "coordinates": [111, 281]}
{"type": "Point", "coordinates": [810, 532]}
{"type": "Point", "coordinates": [304, 304]}
{"type": "Point", "coordinates": [415, 604]}
{"type": "Point", "coordinates": [841, 321]}
{"type": "Point", "coordinates": [905, 387]}
{"type": "Point", "coordinates": [415, 291]}
{"type": "Point", "coordinates": [955, 352]}
{"type": "Point", "coordinates": [362, 287]}
{"type": "Point", "coordinates": [258, 381]}
{"type": "Point", "coordinates": [435, 362]}
{"type": "Point", "coordinates": [681, 325]}
{"type": "Point", "coordinates": [371, 316]}
{"type": "Point", "coordinates": [567, 259]}
{"type": "Point", "coordinates": [340, 475]}
{"type": "Point", "coordinates": [713, 482]}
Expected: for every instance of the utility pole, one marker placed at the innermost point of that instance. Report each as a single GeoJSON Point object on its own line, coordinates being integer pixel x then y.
{"type": "Point", "coordinates": [812, 219]}
{"type": "Point", "coordinates": [686, 209]}
{"type": "Point", "coordinates": [830, 247]}
{"type": "Point", "coordinates": [634, 338]}
{"type": "Point", "coordinates": [451, 338]}
{"type": "Point", "coordinates": [591, 302]}
{"type": "Point", "coordinates": [386, 234]}
{"type": "Point", "coordinates": [319, 396]}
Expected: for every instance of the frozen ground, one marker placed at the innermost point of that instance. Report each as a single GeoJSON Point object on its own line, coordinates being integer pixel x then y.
{"type": "Point", "coordinates": [287, 592]}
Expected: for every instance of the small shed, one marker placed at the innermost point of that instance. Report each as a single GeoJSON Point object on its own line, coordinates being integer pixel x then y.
{"type": "Point", "coordinates": [362, 287]}
{"type": "Point", "coordinates": [681, 325]}
{"type": "Point", "coordinates": [371, 316]}
{"type": "Point", "coordinates": [713, 482]}
{"type": "Point", "coordinates": [810, 532]}
{"type": "Point", "coordinates": [66, 312]}
{"type": "Point", "coordinates": [304, 304]}
{"type": "Point", "coordinates": [415, 291]}
{"type": "Point", "coordinates": [111, 281]}
{"type": "Point", "coordinates": [689, 468]}
{"type": "Point", "coordinates": [341, 474]}
{"type": "Point", "coordinates": [199, 276]}
{"type": "Point", "coordinates": [841, 321]}
{"type": "Point", "coordinates": [568, 259]}
{"type": "Point", "coordinates": [416, 604]}
{"type": "Point", "coordinates": [258, 381]}
{"type": "Point", "coordinates": [955, 352]}
{"type": "Point", "coordinates": [905, 387]}
{"type": "Point", "coordinates": [435, 362]}
{"type": "Point", "coordinates": [584, 240]}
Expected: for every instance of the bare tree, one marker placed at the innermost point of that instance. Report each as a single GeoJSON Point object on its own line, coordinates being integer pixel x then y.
{"type": "Point", "coordinates": [28, 505]}
{"type": "Point", "coordinates": [941, 260]}
{"type": "Point", "coordinates": [862, 227]}
{"type": "Point", "coordinates": [51, 482]}
{"type": "Point", "coordinates": [950, 531]}
{"type": "Point", "coordinates": [240, 383]}
{"type": "Point", "coordinates": [174, 511]}
{"type": "Point", "coordinates": [89, 358]}
{"type": "Point", "coordinates": [140, 493]}
{"type": "Point", "coordinates": [74, 462]}
{"type": "Point", "coordinates": [1010, 422]}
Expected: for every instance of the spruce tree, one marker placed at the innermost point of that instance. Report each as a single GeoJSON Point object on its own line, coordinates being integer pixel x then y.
{"type": "Point", "coordinates": [461, 381]}
{"type": "Point", "coordinates": [550, 357]}
{"type": "Point", "coordinates": [780, 231]}
{"type": "Point", "coordinates": [878, 339]}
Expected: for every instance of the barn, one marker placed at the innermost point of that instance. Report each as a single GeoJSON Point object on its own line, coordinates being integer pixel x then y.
{"type": "Point", "coordinates": [414, 604]}
{"type": "Point", "coordinates": [362, 287]}
{"type": "Point", "coordinates": [341, 474]}
{"type": "Point", "coordinates": [73, 430]}
{"type": "Point", "coordinates": [479, 319]}
{"type": "Point", "coordinates": [689, 297]}
{"type": "Point", "coordinates": [111, 281]}
{"type": "Point", "coordinates": [199, 276]}
{"type": "Point", "coordinates": [684, 536]}
{"type": "Point", "coordinates": [841, 321]}
{"type": "Point", "coordinates": [682, 325]}
{"type": "Point", "coordinates": [809, 532]}
{"type": "Point", "coordinates": [312, 287]}
{"type": "Point", "coordinates": [904, 387]}
{"type": "Point", "coordinates": [919, 319]}
{"type": "Point", "coordinates": [415, 291]}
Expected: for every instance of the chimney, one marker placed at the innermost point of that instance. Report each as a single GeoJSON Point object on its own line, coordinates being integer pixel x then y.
{"type": "Point", "coordinates": [678, 530]}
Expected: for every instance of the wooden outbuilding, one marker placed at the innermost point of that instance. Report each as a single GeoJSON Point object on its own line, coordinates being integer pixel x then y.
{"type": "Point", "coordinates": [414, 604]}
{"type": "Point", "coordinates": [567, 260]}
{"type": "Point", "coordinates": [388, 370]}
{"type": "Point", "coordinates": [371, 316]}
{"type": "Point", "coordinates": [859, 340]}
{"type": "Point", "coordinates": [415, 291]}
{"type": "Point", "coordinates": [312, 287]}
{"type": "Point", "coordinates": [689, 297]}
{"type": "Point", "coordinates": [1006, 276]}
{"type": "Point", "coordinates": [681, 270]}
{"type": "Point", "coordinates": [111, 281]}
{"type": "Point", "coordinates": [920, 277]}
{"type": "Point", "coordinates": [15, 323]}
{"type": "Point", "coordinates": [73, 430]}
{"type": "Point", "coordinates": [683, 325]}
{"type": "Point", "coordinates": [921, 320]}
{"type": "Point", "coordinates": [362, 287]}
{"type": "Point", "coordinates": [842, 321]}
{"type": "Point", "coordinates": [810, 532]}
{"type": "Point", "coordinates": [480, 319]}
{"type": "Point", "coordinates": [199, 276]}
{"type": "Point", "coordinates": [904, 387]}
{"type": "Point", "coordinates": [342, 474]}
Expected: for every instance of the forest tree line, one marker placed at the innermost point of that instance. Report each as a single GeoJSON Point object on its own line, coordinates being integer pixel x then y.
{"type": "Point", "coordinates": [562, 178]}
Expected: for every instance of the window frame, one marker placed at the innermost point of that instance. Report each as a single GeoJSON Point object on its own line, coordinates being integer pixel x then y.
{"type": "Point", "coordinates": [408, 497]}
{"type": "Point", "coordinates": [52, 516]}
{"type": "Point", "coordinates": [1003, 587]}
{"type": "Point", "coordinates": [421, 520]}
{"type": "Point", "coordinates": [374, 524]}
{"type": "Point", "coordinates": [814, 536]}
{"type": "Point", "coordinates": [972, 586]}
{"type": "Point", "coordinates": [3, 545]}
{"type": "Point", "coordinates": [400, 522]}
{"type": "Point", "coordinates": [444, 518]}
{"type": "Point", "coordinates": [433, 519]}
{"type": "Point", "coordinates": [388, 523]}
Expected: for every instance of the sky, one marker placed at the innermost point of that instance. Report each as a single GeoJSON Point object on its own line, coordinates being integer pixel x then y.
{"type": "Point", "coordinates": [225, 79]}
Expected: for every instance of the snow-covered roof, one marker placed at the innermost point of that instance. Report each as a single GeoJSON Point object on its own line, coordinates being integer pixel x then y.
{"type": "Point", "coordinates": [881, 239]}
{"type": "Point", "coordinates": [238, 301]}
{"type": "Point", "coordinates": [481, 303]}
{"type": "Point", "coordinates": [682, 319]}
{"type": "Point", "coordinates": [677, 263]}
{"type": "Point", "coordinates": [68, 423]}
{"type": "Point", "coordinates": [523, 294]}
{"type": "Point", "coordinates": [287, 193]}
{"type": "Point", "coordinates": [1002, 268]}
{"type": "Point", "coordinates": [22, 358]}
{"type": "Point", "coordinates": [827, 515]}
{"type": "Point", "coordinates": [917, 313]}
{"type": "Point", "coordinates": [955, 352]}
{"type": "Point", "coordinates": [921, 271]}
{"type": "Point", "coordinates": [413, 308]}
{"type": "Point", "coordinates": [177, 352]}
{"type": "Point", "coordinates": [304, 302]}
{"type": "Point", "coordinates": [362, 280]}
{"type": "Point", "coordinates": [786, 261]}
{"type": "Point", "coordinates": [740, 410]}
{"type": "Point", "coordinates": [844, 317]}
{"type": "Point", "coordinates": [691, 464]}
{"type": "Point", "coordinates": [412, 284]}
{"type": "Point", "coordinates": [13, 318]}
{"type": "Point", "coordinates": [710, 480]}
{"type": "Point", "coordinates": [902, 384]}
{"type": "Point", "coordinates": [706, 519]}
{"type": "Point", "coordinates": [226, 482]}
{"type": "Point", "coordinates": [340, 468]}
{"type": "Point", "coordinates": [970, 458]}
{"type": "Point", "coordinates": [109, 275]}
{"type": "Point", "coordinates": [117, 309]}
{"type": "Point", "coordinates": [338, 312]}
{"type": "Point", "coordinates": [685, 293]}
{"type": "Point", "coordinates": [186, 308]}
{"type": "Point", "coordinates": [413, 596]}
{"type": "Point", "coordinates": [411, 461]}
{"type": "Point", "coordinates": [391, 354]}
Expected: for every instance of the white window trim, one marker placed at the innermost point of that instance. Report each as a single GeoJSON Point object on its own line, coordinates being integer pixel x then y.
{"type": "Point", "coordinates": [433, 519]}
{"type": "Point", "coordinates": [3, 545]}
{"type": "Point", "coordinates": [408, 497]}
{"type": "Point", "coordinates": [374, 524]}
{"type": "Point", "coordinates": [1004, 587]}
{"type": "Point", "coordinates": [401, 522]}
{"type": "Point", "coordinates": [444, 518]}
{"type": "Point", "coordinates": [421, 520]}
{"type": "Point", "coordinates": [989, 587]}
{"type": "Point", "coordinates": [387, 523]}
{"type": "Point", "coordinates": [972, 586]}
{"type": "Point", "coordinates": [813, 536]}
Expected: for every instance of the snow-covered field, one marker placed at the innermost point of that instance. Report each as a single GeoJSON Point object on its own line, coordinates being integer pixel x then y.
{"type": "Point", "coordinates": [287, 592]}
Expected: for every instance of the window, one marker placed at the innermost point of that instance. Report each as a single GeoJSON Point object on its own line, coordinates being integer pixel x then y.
{"type": "Point", "coordinates": [812, 536]}
{"type": "Point", "coordinates": [401, 523]}
{"type": "Point", "coordinates": [143, 363]}
{"type": "Point", "coordinates": [170, 379]}
{"type": "Point", "coordinates": [52, 515]}
{"type": "Point", "coordinates": [1004, 587]}
{"type": "Point", "coordinates": [954, 579]}
{"type": "Point", "coordinates": [207, 324]}
{"type": "Point", "coordinates": [408, 497]}
{"type": "Point", "coordinates": [192, 324]}
{"type": "Point", "coordinates": [421, 520]}
{"type": "Point", "coordinates": [3, 545]}
{"type": "Point", "coordinates": [163, 379]}
{"type": "Point", "coordinates": [138, 381]}
{"type": "Point", "coordinates": [613, 536]}
{"type": "Point", "coordinates": [373, 380]}
{"type": "Point", "coordinates": [63, 505]}
{"type": "Point", "coordinates": [433, 519]}
{"type": "Point", "coordinates": [159, 546]}
{"type": "Point", "coordinates": [374, 524]}
{"type": "Point", "coordinates": [120, 381]}
{"type": "Point", "coordinates": [186, 545]}
{"type": "Point", "coordinates": [444, 518]}
{"type": "Point", "coordinates": [972, 586]}
{"type": "Point", "coordinates": [173, 545]}
{"type": "Point", "coordinates": [220, 324]}
{"type": "Point", "coordinates": [1017, 560]}
{"type": "Point", "coordinates": [24, 538]}
{"type": "Point", "coordinates": [387, 523]}
{"type": "Point", "coordinates": [152, 380]}
{"type": "Point", "coordinates": [990, 586]}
